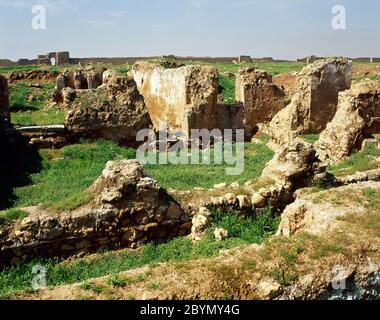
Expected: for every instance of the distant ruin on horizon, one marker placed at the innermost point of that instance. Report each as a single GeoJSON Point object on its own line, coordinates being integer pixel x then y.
{"type": "Point", "coordinates": [63, 58]}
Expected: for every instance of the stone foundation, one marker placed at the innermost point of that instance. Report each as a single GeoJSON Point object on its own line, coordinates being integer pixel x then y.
{"type": "Point", "coordinates": [128, 209]}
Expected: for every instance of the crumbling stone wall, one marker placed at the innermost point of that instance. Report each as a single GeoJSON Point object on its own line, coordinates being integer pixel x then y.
{"type": "Point", "coordinates": [4, 102]}
{"type": "Point", "coordinates": [230, 116]}
{"type": "Point", "coordinates": [128, 209]}
{"type": "Point", "coordinates": [114, 111]}
{"type": "Point", "coordinates": [182, 98]}
{"type": "Point", "coordinates": [315, 103]}
{"type": "Point", "coordinates": [89, 78]}
{"type": "Point", "coordinates": [358, 115]}
{"type": "Point", "coordinates": [261, 98]}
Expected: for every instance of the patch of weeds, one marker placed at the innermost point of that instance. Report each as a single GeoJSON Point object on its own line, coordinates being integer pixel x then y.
{"type": "Point", "coordinates": [311, 138]}
{"type": "Point", "coordinates": [361, 161]}
{"type": "Point", "coordinates": [154, 286]}
{"type": "Point", "coordinates": [325, 249]}
{"type": "Point", "coordinates": [117, 282]}
{"type": "Point", "coordinates": [283, 277]}
{"type": "Point", "coordinates": [249, 265]}
{"type": "Point", "coordinates": [228, 89]}
{"type": "Point", "coordinates": [7, 216]}
{"type": "Point", "coordinates": [290, 257]}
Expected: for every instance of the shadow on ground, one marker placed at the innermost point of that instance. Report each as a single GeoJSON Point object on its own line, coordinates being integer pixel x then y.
{"type": "Point", "coordinates": [17, 161]}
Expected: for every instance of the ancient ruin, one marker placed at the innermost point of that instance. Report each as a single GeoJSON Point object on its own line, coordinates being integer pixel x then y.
{"type": "Point", "coordinates": [358, 117]}
{"type": "Point", "coordinates": [127, 209]}
{"type": "Point", "coordinates": [315, 103]}
{"type": "Point", "coordinates": [88, 78]}
{"type": "Point", "coordinates": [182, 98]}
{"type": "Point", "coordinates": [261, 98]}
{"type": "Point", "coordinates": [114, 111]}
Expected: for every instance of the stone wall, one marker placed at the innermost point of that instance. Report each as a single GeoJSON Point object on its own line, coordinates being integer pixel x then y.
{"type": "Point", "coordinates": [4, 102]}
{"type": "Point", "coordinates": [315, 103]}
{"type": "Point", "coordinates": [358, 115]}
{"type": "Point", "coordinates": [114, 111]}
{"type": "Point", "coordinates": [261, 98]}
{"type": "Point", "coordinates": [89, 78]}
{"type": "Point", "coordinates": [128, 210]}
{"type": "Point", "coordinates": [182, 98]}
{"type": "Point", "coordinates": [230, 116]}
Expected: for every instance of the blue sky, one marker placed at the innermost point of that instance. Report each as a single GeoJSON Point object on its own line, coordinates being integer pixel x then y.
{"type": "Point", "coordinates": [277, 28]}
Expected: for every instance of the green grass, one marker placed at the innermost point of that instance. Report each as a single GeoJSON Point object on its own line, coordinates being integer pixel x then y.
{"type": "Point", "coordinates": [10, 215]}
{"type": "Point", "coordinates": [122, 69]}
{"type": "Point", "coordinates": [243, 231]}
{"type": "Point", "coordinates": [228, 87]}
{"type": "Point", "coordinates": [311, 138]}
{"type": "Point", "coordinates": [27, 105]}
{"type": "Point", "coordinates": [67, 172]}
{"type": "Point", "coordinates": [274, 68]}
{"type": "Point", "coordinates": [361, 161]}
{"type": "Point", "coordinates": [184, 177]}
{"type": "Point", "coordinates": [360, 78]}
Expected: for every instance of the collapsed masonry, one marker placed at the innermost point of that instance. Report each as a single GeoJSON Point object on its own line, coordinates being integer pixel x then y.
{"type": "Point", "coordinates": [4, 102]}
{"type": "Point", "coordinates": [358, 116]}
{"type": "Point", "coordinates": [114, 111]}
{"type": "Point", "coordinates": [261, 98]}
{"type": "Point", "coordinates": [315, 103]}
{"type": "Point", "coordinates": [127, 209]}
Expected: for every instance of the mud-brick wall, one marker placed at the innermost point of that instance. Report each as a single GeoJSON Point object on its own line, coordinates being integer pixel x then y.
{"type": "Point", "coordinates": [182, 98]}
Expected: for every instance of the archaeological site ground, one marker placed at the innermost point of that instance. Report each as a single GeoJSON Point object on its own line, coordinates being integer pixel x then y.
{"type": "Point", "coordinates": [189, 178]}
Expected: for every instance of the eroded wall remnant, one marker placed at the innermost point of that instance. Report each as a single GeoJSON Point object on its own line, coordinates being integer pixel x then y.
{"type": "Point", "coordinates": [261, 98]}
{"type": "Point", "coordinates": [89, 78]}
{"type": "Point", "coordinates": [4, 102]}
{"type": "Point", "coordinates": [127, 209]}
{"type": "Point", "coordinates": [358, 115]}
{"type": "Point", "coordinates": [182, 98]}
{"type": "Point", "coordinates": [315, 103]}
{"type": "Point", "coordinates": [114, 111]}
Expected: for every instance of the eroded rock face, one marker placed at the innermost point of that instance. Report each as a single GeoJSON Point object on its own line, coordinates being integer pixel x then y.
{"type": "Point", "coordinates": [128, 209]}
{"type": "Point", "coordinates": [315, 103]}
{"type": "Point", "coordinates": [115, 111]}
{"type": "Point", "coordinates": [181, 98]}
{"type": "Point", "coordinates": [4, 102]}
{"type": "Point", "coordinates": [295, 165]}
{"type": "Point", "coordinates": [261, 98]}
{"type": "Point", "coordinates": [358, 114]}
